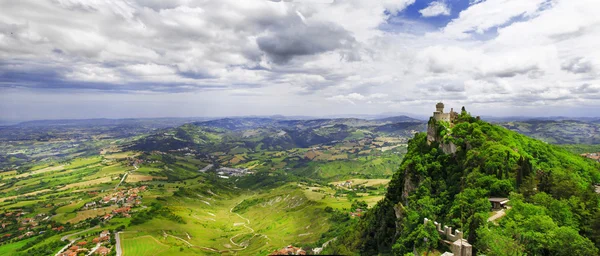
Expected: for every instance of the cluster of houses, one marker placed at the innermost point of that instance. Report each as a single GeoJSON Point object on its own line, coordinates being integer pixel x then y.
{"type": "Point", "coordinates": [96, 247]}
{"type": "Point", "coordinates": [127, 198]}
{"type": "Point", "coordinates": [345, 184]}
{"type": "Point", "coordinates": [593, 156]}
{"type": "Point", "coordinates": [357, 213]}
{"type": "Point", "coordinates": [226, 172]}
{"type": "Point", "coordinates": [289, 250]}
{"type": "Point", "coordinates": [15, 224]}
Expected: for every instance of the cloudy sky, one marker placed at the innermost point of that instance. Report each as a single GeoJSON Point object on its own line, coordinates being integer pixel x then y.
{"type": "Point", "coordinates": [150, 58]}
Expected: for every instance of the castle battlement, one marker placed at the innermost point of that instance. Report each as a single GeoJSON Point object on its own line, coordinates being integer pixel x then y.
{"type": "Point", "coordinates": [458, 245]}
{"type": "Point", "coordinates": [446, 233]}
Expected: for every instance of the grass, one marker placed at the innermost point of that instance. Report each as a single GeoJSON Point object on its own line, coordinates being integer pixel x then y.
{"type": "Point", "coordinates": [120, 155]}
{"type": "Point", "coordinates": [11, 249]}
{"type": "Point", "coordinates": [8, 173]}
{"type": "Point", "coordinates": [142, 245]}
{"type": "Point", "coordinates": [82, 215]}
{"type": "Point", "coordinates": [71, 207]}
{"type": "Point", "coordinates": [41, 170]}
{"type": "Point", "coordinates": [81, 162]}
{"type": "Point", "coordinates": [110, 170]}
{"type": "Point", "coordinates": [88, 183]}
{"type": "Point", "coordinates": [284, 215]}
{"type": "Point", "coordinates": [139, 177]}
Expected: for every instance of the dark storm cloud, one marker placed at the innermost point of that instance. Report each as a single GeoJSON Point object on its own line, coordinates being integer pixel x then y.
{"type": "Point", "coordinates": [300, 39]}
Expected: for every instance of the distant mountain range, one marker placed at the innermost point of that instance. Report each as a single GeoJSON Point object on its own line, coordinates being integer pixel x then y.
{"type": "Point", "coordinates": [268, 133]}
{"type": "Point", "coordinates": [557, 130]}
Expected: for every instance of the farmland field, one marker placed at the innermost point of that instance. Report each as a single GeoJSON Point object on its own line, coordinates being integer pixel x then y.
{"type": "Point", "coordinates": [142, 245]}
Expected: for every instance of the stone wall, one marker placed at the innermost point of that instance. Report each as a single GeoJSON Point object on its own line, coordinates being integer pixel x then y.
{"type": "Point", "coordinates": [458, 245]}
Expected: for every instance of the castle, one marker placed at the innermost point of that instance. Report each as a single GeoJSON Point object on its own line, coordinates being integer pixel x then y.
{"type": "Point", "coordinates": [432, 131]}
{"type": "Point", "coordinates": [439, 114]}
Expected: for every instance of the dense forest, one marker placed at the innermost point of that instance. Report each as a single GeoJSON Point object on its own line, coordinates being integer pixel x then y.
{"type": "Point", "coordinates": [554, 209]}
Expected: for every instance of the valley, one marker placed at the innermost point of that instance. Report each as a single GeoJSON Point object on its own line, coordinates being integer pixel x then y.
{"type": "Point", "coordinates": [247, 186]}
{"type": "Point", "coordinates": [233, 186]}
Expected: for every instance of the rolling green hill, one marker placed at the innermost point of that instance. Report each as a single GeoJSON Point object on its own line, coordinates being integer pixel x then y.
{"type": "Point", "coordinates": [558, 132]}
{"type": "Point", "coordinates": [554, 207]}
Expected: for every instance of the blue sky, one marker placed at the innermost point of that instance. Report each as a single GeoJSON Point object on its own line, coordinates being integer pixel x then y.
{"type": "Point", "coordinates": [134, 58]}
{"type": "Point", "coordinates": [412, 12]}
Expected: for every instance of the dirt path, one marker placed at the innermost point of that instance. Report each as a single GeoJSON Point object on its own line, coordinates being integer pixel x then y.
{"type": "Point", "coordinates": [252, 231]}
{"type": "Point", "coordinates": [206, 168]}
{"type": "Point", "coordinates": [231, 211]}
{"type": "Point", "coordinates": [497, 215]}
{"type": "Point", "coordinates": [181, 239]}
{"type": "Point", "coordinates": [124, 176]}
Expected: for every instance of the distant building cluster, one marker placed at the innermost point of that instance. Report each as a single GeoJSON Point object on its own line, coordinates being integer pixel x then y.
{"type": "Point", "coordinates": [593, 156]}
{"type": "Point", "coordinates": [289, 250]}
{"type": "Point", "coordinates": [16, 224]}
{"type": "Point", "coordinates": [346, 184]}
{"type": "Point", "coordinates": [124, 198]}
{"type": "Point", "coordinates": [226, 172]}
{"type": "Point", "coordinates": [96, 247]}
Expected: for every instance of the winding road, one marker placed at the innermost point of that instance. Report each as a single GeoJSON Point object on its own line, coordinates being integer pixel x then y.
{"type": "Point", "coordinates": [206, 168]}
{"type": "Point", "coordinates": [83, 231]}
{"type": "Point", "coordinates": [118, 248]}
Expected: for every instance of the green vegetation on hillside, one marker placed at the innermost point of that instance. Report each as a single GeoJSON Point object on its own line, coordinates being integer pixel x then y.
{"type": "Point", "coordinates": [554, 208]}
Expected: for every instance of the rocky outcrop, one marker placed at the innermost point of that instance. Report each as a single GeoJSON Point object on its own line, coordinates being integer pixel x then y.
{"type": "Point", "coordinates": [448, 148]}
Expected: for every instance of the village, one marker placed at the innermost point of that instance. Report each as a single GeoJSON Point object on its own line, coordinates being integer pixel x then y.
{"type": "Point", "coordinates": [95, 244]}
{"type": "Point", "coordinates": [22, 226]}
{"type": "Point", "coordinates": [594, 156]}
{"type": "Point", "coordinates": [226, 172]}
{"type": "Point", "coordinates": [124, 198]}
{"type": "Point", "coordinates": [19, 224]}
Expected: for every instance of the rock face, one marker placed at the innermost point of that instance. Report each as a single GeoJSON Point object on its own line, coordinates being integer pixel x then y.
{"type": "Point", "coordinates": [448, 148]}
{"type": "Point", "coordinates": [432, 134]}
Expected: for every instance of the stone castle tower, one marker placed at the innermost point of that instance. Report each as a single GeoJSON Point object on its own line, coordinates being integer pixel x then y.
{"type": "Point", "coordinates": [432, 132]}
{"type": "Point", "coordinates": [439, 114]}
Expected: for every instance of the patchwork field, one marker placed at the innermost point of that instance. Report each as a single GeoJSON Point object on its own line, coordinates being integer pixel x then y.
{"type": "Point", "coordinates": [134, 177]}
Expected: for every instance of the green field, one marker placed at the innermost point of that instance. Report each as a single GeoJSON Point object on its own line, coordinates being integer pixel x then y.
{"type": "Point", "coordinates": [11, 249]}
{"type": "Point", "coordinates": [142, 245]}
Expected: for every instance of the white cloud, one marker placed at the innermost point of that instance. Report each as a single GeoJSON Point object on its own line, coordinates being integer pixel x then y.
{"type": "Point", "coordinates": [352, 98]}
{"type": "Point", "coordinates": [436, 8]}
{"type": "Point", "coordinates": [485, 15]}
{"type": "Point", "coordinates": [305, 57]}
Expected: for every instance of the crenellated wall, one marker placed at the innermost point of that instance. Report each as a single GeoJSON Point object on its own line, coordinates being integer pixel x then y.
{"type": "Point", "coordinates": [458, 245]}
{"type": "Point", "coordinates": [446, 233]}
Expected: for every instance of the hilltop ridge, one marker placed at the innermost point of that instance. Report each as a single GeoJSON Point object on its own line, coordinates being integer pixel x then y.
{"type": "Point", "coordinates": [449, 174]}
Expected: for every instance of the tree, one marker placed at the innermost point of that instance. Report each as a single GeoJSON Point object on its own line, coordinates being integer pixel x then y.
{"type": "Point", "coordinates": [427, 237]}
{"type": "Point", "coordinates": [464, 210]}
{"type": "Point", "coordinates": [357, 204]}
{"type": "Point", "coordinates": [567, 241]}
{"type": "Point", "coordinates": [494, 243]}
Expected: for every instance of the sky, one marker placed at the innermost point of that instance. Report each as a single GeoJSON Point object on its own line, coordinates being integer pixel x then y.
{"type": "Point", "coordinates": [187, 58]}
